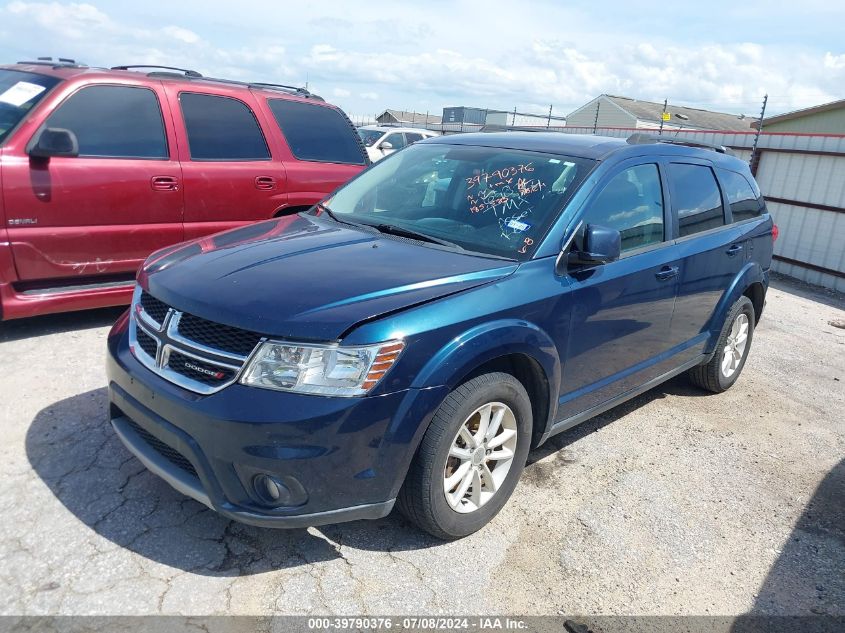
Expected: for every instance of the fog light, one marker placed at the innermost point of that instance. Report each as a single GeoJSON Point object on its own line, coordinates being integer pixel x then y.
{"type": "Point", "coordinates": [270, 490]}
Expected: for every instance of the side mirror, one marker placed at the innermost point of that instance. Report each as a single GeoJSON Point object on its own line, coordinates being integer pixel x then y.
{"type": "Point", "coordinates": [53, 141]}
{"type": "Point", "coordinates": [602, 245]}
{"type": "Point", "coordinates": [385, 146]}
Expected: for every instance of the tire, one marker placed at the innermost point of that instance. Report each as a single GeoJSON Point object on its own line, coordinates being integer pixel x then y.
{"type": "Point", "coordinates": [712, 375]}
{"type": "Point", "coordinates": [423, 497]}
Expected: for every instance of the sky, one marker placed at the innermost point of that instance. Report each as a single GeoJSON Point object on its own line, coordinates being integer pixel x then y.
{"type": "Point", "coordinates": [498, 54]}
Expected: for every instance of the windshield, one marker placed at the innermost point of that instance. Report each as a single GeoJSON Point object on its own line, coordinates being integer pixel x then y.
{"type": "Point", "coordinates": [368, 137]}
{"type": "Point", "coordinates": [19, 93]}
{"type": "Point", "coordinates": [488, 200]}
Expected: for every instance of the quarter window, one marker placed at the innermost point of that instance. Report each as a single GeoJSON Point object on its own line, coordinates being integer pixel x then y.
{"type": "Point", "coordinates": [413, 137]}
{"type": "Point", "coordinates": [221, 128]}
{"type": "Point", "coordinates": [695, 198]}
{"type": "Point", "coordinates": [318, 133]}
{"type": "Point", "coordinates": [741, 196]}
{"type": "Point", "coordinates": [631, 203]}
{"type": "Point", "coordinates": [114, 122]}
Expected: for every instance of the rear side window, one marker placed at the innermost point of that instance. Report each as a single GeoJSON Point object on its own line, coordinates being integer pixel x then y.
{"type": "Point", "coordinates": [631, 203]}
{"type": "Point", "coordinates": [221, 128]}
{"type": "Point", "coordinates": [317, 133]}
{"type": "Point", "coordinates": [741, 196]}
{"type": "Point", "coordinates": [413, 137]}
{"type": "Point", "coordinates": [114, 122]}
{"type": "Point", "coordinates": [695, 198]}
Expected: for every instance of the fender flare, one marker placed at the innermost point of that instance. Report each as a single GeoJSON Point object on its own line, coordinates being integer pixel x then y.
{"type": "Point", "coordinates": [457, 359]}
{"type": "Point", "coordinates": [486, 342]}
{"type": "Point", "coordinates": [751, 273]}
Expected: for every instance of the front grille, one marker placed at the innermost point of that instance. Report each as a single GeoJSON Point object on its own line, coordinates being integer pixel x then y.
{"type": "Point", "coordinates": [147, 343]}
{"type": "Point", "coordinates": [170, 454]}
{"type": "Point", "coordinates": [223, 337]}
{"type": "Point", "coordinates": [198, 370]}
{"type": "Point", "coordinates": [192, 352]}
{"type": "Point", "coordinates": [156, 309]}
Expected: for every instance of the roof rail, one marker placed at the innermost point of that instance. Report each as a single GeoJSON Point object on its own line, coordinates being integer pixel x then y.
{"type": "Point", "coordinates": [188, 73]}
{"type": "Point", "coordinates": [302, 92]}
{"type": "Point", "coordinates": [60, 62]}
{"type": "Point", "coordinates": [193, 74]}
{"type": "Point", "coordinates": [639, 138]}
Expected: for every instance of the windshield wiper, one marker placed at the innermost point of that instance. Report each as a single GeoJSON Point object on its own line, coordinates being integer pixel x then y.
{"type": "Point", "coordinates": [334, 216]}
{"type": "Point", "coordinates": [400, 231]}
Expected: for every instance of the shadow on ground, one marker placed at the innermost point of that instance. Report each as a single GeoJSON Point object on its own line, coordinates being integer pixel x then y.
{"type": "Point", "coordinates": [74, 450]}
{"type": "Point", "coordinates": [809, 574]}
{"type": "Point", "coordinates": [57, 323]}
{"type": "Point", "coordinates": [678, 386]}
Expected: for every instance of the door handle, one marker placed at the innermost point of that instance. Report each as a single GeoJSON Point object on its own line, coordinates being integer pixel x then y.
{"type": "Point", "coordinates": [164, 183]}
{"type": "Point", "coordinates": [667, 272]}
{"type": "Point", "coordinates": [265, 182]}
{"type": "Point", "coordinates": [735, 249]}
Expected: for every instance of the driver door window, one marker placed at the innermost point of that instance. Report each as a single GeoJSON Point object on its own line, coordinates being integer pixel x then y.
{"type": "Point", "coordinates": [631, 203]}
{"type": "Point", "coordinates": [397, 140]}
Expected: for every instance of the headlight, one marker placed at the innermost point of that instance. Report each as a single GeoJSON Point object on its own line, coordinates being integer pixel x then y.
{"type": "Point", "coordinates": [325, 369]}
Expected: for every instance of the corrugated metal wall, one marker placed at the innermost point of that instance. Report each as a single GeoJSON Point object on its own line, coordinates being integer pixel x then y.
{"type": "Point", "coordinates": [802, 177]}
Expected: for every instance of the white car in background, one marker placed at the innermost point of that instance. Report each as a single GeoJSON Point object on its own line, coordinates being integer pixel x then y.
{"type": "Point", "coordinates": [381, 140]}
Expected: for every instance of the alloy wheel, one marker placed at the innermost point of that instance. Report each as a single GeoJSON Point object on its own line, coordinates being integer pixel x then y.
{"type": "Point", "coordinates": [734, 349]}
{"type": "Point", "coordinates": [480, 457]}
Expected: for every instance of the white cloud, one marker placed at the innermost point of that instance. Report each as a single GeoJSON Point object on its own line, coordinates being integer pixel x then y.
{"type": "Point", "coordinates": [184, 35]}
{"type": "Point", "coordinates": [835, 62]}
{"type": "Point", "coordinates": [560, 55]}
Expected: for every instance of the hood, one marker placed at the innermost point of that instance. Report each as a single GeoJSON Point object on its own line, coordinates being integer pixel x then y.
{"type": "Point", "coordinates": [307, 278]}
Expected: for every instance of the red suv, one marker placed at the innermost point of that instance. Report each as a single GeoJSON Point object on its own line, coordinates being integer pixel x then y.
{"type": "Point", "coordinates": [100, 167]}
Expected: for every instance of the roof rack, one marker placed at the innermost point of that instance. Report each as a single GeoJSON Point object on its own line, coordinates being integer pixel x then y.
{"type": "Point", "coordinates": [646, 139]}
{"type": "Point", "coordinates": [188, 73]}
{"type": "Point", "coordinates": [59, 62]}
{"type": "Point", "coordinates": [283, 87]}
{"type": "Point", "coordinates": [193, 74]}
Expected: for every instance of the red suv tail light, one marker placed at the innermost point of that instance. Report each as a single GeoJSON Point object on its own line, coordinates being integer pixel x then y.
{"type": "Point", "coordinates": [775, 233]}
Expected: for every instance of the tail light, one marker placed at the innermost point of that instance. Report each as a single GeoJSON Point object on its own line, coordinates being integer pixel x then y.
{"type": "Point", "coordinates": [775, 233]}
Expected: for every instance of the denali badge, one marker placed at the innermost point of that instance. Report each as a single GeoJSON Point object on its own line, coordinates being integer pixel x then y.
{"type": "Point", "coordinates": [208, 372]}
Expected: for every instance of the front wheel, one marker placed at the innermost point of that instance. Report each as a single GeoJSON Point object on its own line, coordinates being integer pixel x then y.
{"type": "Point", "coordinates": [470, 458]}
{"type": "Point", "coordinates": [722, 371]}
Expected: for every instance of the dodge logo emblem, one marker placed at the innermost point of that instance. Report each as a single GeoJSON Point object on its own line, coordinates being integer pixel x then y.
{"type": "Point", "coordinates": [202, 370]}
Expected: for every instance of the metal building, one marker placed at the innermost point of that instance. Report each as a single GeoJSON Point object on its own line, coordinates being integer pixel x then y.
{"type": "Point", "coordinates": [827, 118]}
{"type": "Point", "coordinates": [610, 111]}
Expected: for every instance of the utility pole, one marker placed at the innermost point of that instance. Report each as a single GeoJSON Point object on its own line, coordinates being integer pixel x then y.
{"type": "Point", "coordinates": [596, 122]}
{"type": "Point", "coordinates": [752, 162]}
{"type": "Point", "coordinates": [663, 116]}
{"type": "Point", "coordinates": [513, 120]}
{"type": "Point", "coordinates": [549, 123]}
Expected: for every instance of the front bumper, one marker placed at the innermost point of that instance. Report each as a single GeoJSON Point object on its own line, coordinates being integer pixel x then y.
{"type": "Point", "coordinates": [341, 459]}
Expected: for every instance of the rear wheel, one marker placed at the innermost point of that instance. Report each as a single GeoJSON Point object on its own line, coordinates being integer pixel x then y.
{"type": "Point", "coordinates": [723, 370]}
{"type": "Point", "coordinates": [470, 458]}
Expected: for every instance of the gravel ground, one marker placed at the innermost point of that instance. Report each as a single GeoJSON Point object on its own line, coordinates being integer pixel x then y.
{"type": "Point", "coordinates": [677, 502]}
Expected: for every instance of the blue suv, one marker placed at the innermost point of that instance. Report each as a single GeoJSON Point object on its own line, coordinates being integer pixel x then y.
{"type": "Point", "coordinates": [413, 336]}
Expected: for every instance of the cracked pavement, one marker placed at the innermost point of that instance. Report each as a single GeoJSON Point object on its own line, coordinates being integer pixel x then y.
{"type": "Point", "coordinates": [677, 502]}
